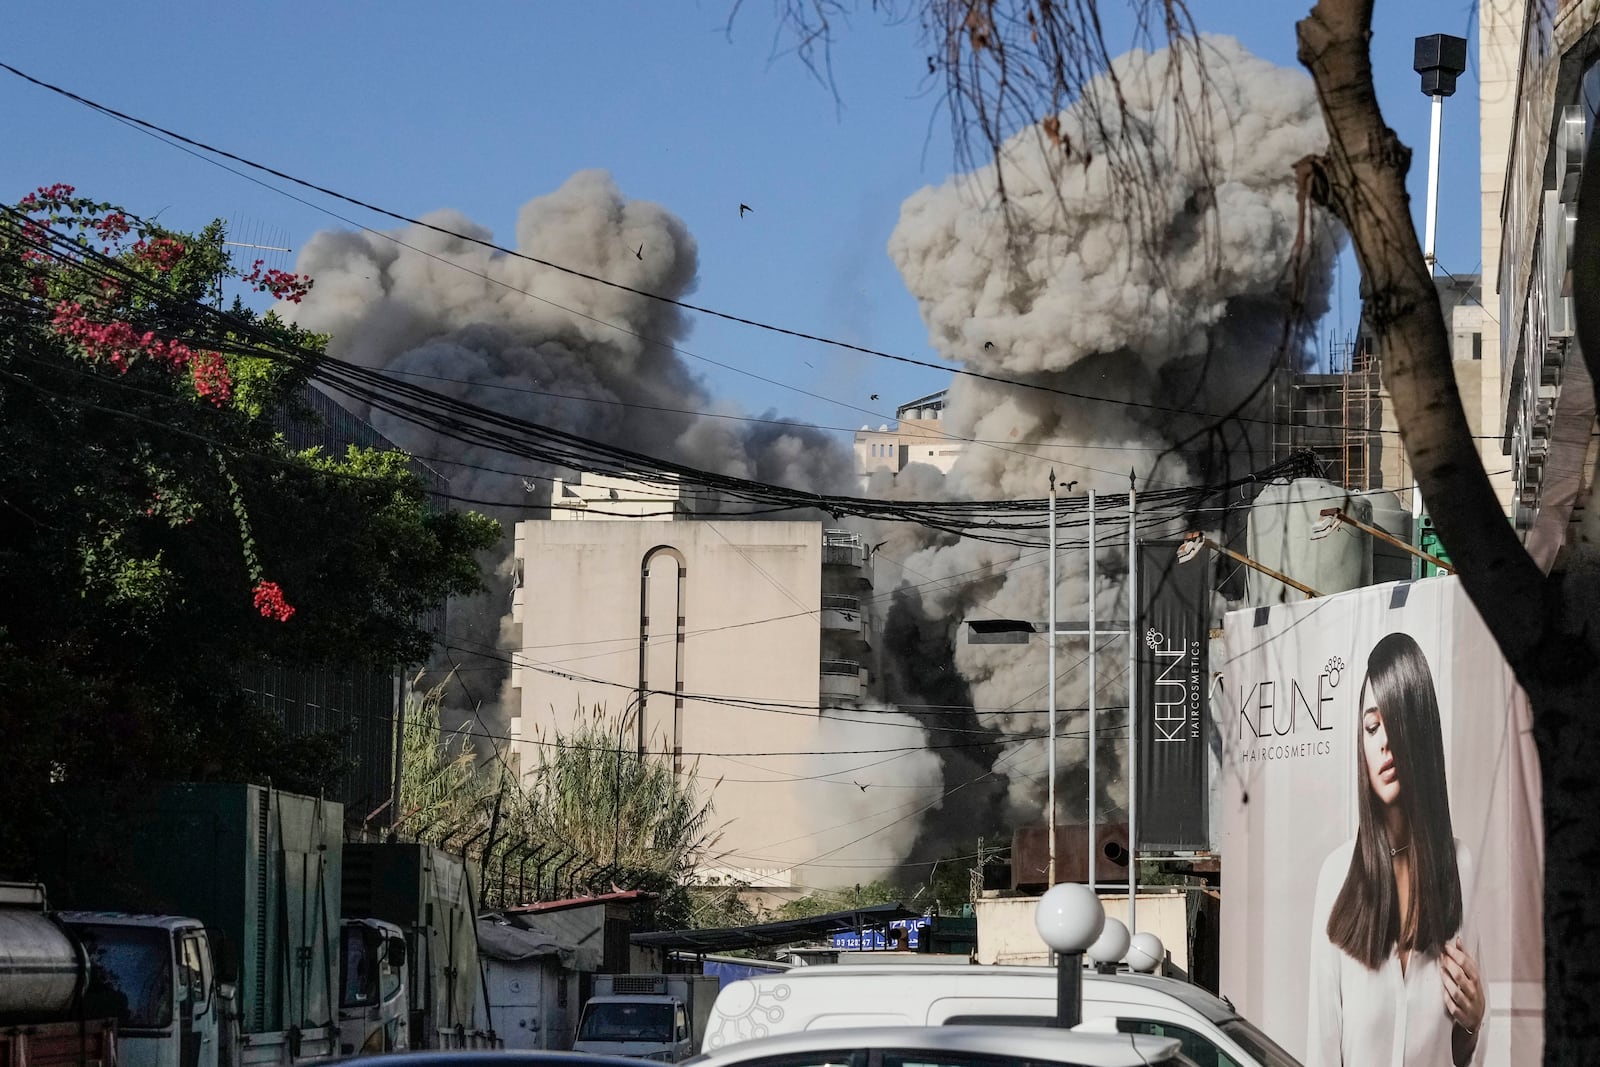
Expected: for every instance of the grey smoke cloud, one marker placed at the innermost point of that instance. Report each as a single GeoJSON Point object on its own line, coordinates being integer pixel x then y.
{"type": "Point", "coordinates": [507, 333]}
{"type": "Point", "coordinates": [1069, 300]}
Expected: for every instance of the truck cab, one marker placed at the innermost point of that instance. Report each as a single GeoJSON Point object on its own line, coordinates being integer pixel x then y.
{"type": "Point", "coordinates": [647, 1016]}
{"type": "Point", "coordinates": [644, 1027]}
{"type": "Point", "coordinates": [374, 1010]}
{"type": "Point", "coordinates": [154, 975]}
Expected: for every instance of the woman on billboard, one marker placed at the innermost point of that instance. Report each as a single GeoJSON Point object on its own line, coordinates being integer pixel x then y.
{"type": "Point", "coordinates": [1394, 974]}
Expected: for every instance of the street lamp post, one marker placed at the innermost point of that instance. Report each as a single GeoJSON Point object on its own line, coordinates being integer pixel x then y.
{"type": "Point", "coordinates": [1440, 59]}
{"type": "Point", "coordinates": [1133, 704]}
{"type": "Point", "coordinates": [1145, 953]}
{"type": "Point", "coordinates": [1070, 919]}
{"type": "Point", "coordinates": [1094, 685]}
{"type": "Point", "coordinates": [1109, 948]}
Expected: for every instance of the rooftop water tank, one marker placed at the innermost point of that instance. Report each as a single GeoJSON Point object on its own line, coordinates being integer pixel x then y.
{"type": "Point", "coordinates": [1278, 533]}
{"type": "Point", "coordinates": [1390, 563]}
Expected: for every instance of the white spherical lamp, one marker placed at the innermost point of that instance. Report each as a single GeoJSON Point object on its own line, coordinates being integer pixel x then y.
{"type": "Point", "coordinates": [1069, 917]}
{"type": "Point", "coordinates": [1111, 945]}
{"type": "Point", "coordinates": [1145, 952]}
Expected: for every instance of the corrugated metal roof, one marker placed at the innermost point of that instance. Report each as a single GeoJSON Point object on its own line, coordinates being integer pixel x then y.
{"type": "Point", "coordinates": [628, 896]}
{"type": "Point", "coordinates": [784, 932]}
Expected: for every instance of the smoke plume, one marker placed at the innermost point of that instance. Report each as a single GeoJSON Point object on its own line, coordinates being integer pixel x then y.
{"type": "Point", "coordinates": [542, 345]}
{"type": "Point", "coordinates": [1072, 298]}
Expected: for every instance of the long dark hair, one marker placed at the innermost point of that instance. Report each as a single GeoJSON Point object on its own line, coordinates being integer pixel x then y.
{"type": "Point", "coordinates": [1366, 921]}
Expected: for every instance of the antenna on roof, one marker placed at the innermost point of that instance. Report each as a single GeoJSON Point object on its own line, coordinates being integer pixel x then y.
{"type": "Point", "coordinates": [266, 242]}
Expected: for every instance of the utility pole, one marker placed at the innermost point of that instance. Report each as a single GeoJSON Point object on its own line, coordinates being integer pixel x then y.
{"type": "Point", "coordinates": [1050, 763]}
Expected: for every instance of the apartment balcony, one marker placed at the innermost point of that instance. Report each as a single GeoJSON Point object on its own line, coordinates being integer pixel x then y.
{"type": "Point", "coordinates": [843, 551]}
{"type": "Point", "coordinates": [844, 615]}
{"type": "Point", "coordinates": [843, 679]}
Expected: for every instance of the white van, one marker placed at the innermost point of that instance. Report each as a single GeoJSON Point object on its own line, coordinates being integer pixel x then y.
{"type": "Point", "coordinates": [827, 997]}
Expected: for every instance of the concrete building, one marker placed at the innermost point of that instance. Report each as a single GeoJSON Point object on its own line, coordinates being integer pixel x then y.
{"type": "Point", "coordinates": [918, 437]}
{"type": "Point", "coordinates": [1345, 416]}
{"type": "Point", "coordinates": [700, 637]}
{"type": "Point", "coordinates": [1539, 91]}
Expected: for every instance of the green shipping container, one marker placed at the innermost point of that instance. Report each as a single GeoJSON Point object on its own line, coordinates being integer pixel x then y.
{"type": "Point", "coordinates": [261, 868]}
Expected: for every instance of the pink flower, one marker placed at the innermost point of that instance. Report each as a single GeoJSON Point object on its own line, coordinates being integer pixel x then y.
{"type": "Point", "coordinates": [281, 284]}
{"type": "Point", "coordinates": [270, 603]}
{"type": "Point", "coordinates": [113, 226]}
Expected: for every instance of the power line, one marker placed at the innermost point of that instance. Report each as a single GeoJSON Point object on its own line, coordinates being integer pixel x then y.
{"type": "Point", "coordinates": [473, 424]}
{"type": "Point", "coordinates": [633, 290]}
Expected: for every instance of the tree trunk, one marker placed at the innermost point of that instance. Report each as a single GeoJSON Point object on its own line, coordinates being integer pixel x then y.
{"type": "Point", "coordinates": [1547, 627]}
{"type": "Point", "coordinates": [1569, 755]}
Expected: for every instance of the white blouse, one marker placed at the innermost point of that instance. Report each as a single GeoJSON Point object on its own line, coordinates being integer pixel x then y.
{"type": "Point", "coordinates": [1364, 1018]}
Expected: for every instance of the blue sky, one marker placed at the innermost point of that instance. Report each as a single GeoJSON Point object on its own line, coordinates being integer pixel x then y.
{"type": "Point", "coordinates": [486, 106]}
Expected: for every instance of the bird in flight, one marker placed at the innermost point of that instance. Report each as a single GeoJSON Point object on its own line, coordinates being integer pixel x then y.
{"type": "Point", "coordinates": [743, 208]}
{"type": "Point", "coordinates": [858, 785]}
{"type": "Point", "coordinates": [873, 397]}
{"type": "Point", "coordinates": [988, 344]}
{"type": "Point", "coordinates": [640, 253]}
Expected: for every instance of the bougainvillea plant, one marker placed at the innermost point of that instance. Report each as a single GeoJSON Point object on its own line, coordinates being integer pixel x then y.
{"type": "Point", "coordinates": [107, 283]}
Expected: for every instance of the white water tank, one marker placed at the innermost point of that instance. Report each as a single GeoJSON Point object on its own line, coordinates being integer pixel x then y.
{"type": "Point", "coordinates": [1279, 530]}
{"type": "Point", "coordinates": [1389, 562]}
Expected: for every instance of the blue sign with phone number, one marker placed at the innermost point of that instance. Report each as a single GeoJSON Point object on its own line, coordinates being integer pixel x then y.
{"type": "Point", "coordinates": [878, 938]}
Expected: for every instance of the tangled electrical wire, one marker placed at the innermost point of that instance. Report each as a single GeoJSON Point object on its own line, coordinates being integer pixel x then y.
{"type": "Point", "coordinates": [196, 323]}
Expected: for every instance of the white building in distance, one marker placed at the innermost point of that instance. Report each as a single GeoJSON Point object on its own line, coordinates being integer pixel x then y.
{"type": "Point", "coordinates": [918, 437]}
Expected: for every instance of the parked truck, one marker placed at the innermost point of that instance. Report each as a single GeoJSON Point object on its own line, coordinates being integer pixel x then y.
{"type": "Point", "coordinates": [374, 1009]}
{"type": "Point", "coordinates": [431, 896]}
{"type": "Point", "coordinates": [648, 1016]}
{"type": "Point", "coordinates": [106, 988]}
{"type": "Point", "coordinates": [47, 1016]}
{"type": "Point", "coordinates": [229, 895]}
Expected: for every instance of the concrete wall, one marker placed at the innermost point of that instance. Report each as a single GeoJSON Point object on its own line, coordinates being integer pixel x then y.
{"type": "Point", "coordinates": [1006, 933]}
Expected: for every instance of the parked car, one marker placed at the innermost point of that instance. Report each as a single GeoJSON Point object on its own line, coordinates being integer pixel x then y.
{"type": "Point", "coordinates": [949, 1046]}
{"type": "Point", "coordinates": [826, 997]}
{"type": "Point", "coordinates": [481, 1057]}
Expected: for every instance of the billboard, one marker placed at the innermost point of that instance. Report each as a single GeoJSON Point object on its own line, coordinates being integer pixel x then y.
{"type": "Point", "coordinates": [1381, 840]}
{"type": "Point", "coordinates": [877, 938]}
{"type": "Point", "coordinates": [1174, 721]}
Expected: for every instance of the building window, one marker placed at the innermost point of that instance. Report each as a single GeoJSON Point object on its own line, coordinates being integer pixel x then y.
{"type": "Point", "coordinates": [1477, 346]}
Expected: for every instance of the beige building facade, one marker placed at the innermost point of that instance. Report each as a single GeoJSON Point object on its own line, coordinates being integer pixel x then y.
{"type": "Point", "coordinates": [918, 436]}
{"type": "Point", "coordinates": [1540, 88]}
{"type": "Point", "coordinates": [736, 649]}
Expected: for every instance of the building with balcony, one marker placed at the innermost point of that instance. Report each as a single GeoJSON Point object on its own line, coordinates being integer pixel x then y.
{"type": "Point", "coordinates": [1539, 93]}
{"type": "Point", "coordinates": [917, 437]}
{"type": "Point", "coordinates": [733, 647]}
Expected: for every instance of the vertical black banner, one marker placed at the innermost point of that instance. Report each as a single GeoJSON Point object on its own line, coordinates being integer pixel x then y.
{"type": "Point", "coordinates": [1173, 716]}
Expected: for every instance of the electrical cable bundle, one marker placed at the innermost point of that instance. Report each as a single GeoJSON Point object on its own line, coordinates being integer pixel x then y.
{"type": "Point", "coordinates": [198, 324]}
